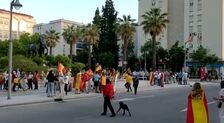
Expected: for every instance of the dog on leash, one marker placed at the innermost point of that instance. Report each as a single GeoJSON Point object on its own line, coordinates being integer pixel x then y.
{"type": "Point", "coordinates": [124, 107]}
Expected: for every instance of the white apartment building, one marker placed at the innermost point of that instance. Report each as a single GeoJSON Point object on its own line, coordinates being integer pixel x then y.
{"type": "Point", "coordinates": [62, 47]}
{"type": "Point", "coordinates": [175, 28]}
{"type": "Point", "coordinates": [204, 25]}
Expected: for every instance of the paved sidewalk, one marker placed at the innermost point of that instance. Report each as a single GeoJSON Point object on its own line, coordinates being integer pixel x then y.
{"type": "Point", "coordinates": [39, 96]}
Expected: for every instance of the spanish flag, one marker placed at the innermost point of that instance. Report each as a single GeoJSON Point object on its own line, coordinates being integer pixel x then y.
{"type": "Point", "coordinates": [60, 68]}
{"type": "Point", "coordinates": [197, 110]}
{"type": "Point", "coordinates": [98, 68]}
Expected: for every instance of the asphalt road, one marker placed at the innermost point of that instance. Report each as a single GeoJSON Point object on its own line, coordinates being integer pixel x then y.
{"type": "Point", "coordinates": [151, 106]}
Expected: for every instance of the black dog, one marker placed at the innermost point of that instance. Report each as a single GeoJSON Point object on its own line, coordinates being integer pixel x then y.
{"type": "Point", "coordinates": [124, 107]}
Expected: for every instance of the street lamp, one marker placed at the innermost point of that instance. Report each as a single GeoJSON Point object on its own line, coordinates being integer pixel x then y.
{"type": "Point", "coordinates": [16, 4]}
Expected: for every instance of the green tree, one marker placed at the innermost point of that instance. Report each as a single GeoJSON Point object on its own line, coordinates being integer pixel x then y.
{"type": "Point", "coordinates": [176, 57]}
{"type": "Point", "coordinates": [72, 34]}
{"type": "Point", "coordinates": [52, 38]}
{"type": "Point", "coordinates": [97, 18]}
{"type": "Point", "coordinates": [125, 30]}
{"type": "Point", "coordinates": [154, 22]}
{"type": "Point", "coordinates": [108, 38]}
{"type": "Point", "coordinates": [147, 51]}
{"type": "Point", "coordinates": [202, 55]}
{"type": "Point", "coordinates": [91, 37]}
{"type": "Point", "coordinates": [3, 48]}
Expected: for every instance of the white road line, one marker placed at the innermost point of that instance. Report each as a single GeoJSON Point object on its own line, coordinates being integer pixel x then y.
{"type": "Point", "coordinates": [125, 99]}
{"type": "Point", "coordinates": [209, 103]}
{"type": "Point", "coordinates": [129, 99]}
{"type": "Point", "coordinates": [184, 110]}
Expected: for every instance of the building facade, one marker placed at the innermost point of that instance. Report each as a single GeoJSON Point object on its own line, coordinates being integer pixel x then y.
{"type": "Point", "coordinates": [204, 25]}
{"type": "Point", "coordinates": [62, 47]}
{"type": "Point", "coordinates": [175, 28]}
{"type": "Point", "coordinates": [21, 23]}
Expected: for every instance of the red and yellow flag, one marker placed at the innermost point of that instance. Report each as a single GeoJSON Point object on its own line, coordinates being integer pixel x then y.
{"type": "Point", "coordinates": [60, 68]}
{"type": "Point", "coordinates": [197, 110]}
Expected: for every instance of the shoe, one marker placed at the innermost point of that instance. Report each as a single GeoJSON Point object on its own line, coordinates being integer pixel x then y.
{"type": "Point", "coordinates": [103, 114]}
{"type": "Point", "coordinates": [113, 115]}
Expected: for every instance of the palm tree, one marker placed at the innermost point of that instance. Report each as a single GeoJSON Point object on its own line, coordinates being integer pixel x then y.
{"type": "Point", "coordinates": [51, 39]}
{"type": "Point", "coordinates": [125, 30]}
{"type": "Point", "coordinates": [71, 34]}
{"type": "Point", "coordinates": [91, 37]}
{"type": "Point", "coordinates": [154, 22]}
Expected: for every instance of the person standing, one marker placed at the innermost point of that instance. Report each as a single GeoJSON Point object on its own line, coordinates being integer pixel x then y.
{"type": "Point", "coordinates": [66, 81]}
{"type": "Point", "coordinates": [108, 93]}
{"type": "Point", "coordinates": [102, 81]}
{"type": "Point", "coordinates": [185, 78]}
{"type": "Point", "coordinates": [197, 108]}
{"type": "Point", "coordinates": [96, 79]}
{"type": "Point", "coordinates": [135, 84]}
{"type": "Point", "coordinates": [61, 84]}
{"type": "Point", "coordinates": [50, 84]}
{"type": "Point", "coordinates": [220, 100]}
{"type": "Point", "coordinates": [77, 82]}
{"type": "Point", "coordinates": [35, 80]}
{"type": "Point", "coordinates": [30, 81]}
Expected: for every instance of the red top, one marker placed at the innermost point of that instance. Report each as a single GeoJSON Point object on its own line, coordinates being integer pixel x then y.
{"type": "Point", "coordinates": [36, 76]}
{"type": "Point", "coordinates": [108, 91]}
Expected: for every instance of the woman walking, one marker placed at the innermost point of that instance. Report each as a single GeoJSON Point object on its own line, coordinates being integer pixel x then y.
{"type": "Point", "coordinates": [197, 110]}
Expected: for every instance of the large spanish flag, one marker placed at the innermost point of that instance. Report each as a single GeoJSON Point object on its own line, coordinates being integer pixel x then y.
{"type": "Point", "coordinates": [60, 68]}
{"type": "Point", "coordinates": [197, 110]}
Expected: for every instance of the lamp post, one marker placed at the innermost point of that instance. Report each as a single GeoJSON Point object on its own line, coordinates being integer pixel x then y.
{"type": "Point", "coordinates": [16, 4]}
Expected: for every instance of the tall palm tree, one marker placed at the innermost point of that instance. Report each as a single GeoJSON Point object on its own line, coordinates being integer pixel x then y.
{"type": "Point", "coordinates": [91, 37]}
{"type": "Point", "coordinates": [154, 22]}
{"type": "Point", "coordinates": [126, 29]}
{"type": "Point", "coordinates": [71, 34]}
{"type": "Point", "coordinates": [52, 38]}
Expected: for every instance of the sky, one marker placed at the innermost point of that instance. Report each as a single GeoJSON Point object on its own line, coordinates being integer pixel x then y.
{"type": "Point", "coordinates": [75, 10]}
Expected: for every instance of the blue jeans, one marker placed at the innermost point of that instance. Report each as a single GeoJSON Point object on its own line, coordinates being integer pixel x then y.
{"type": "Point", "coordinates": [50, 89]}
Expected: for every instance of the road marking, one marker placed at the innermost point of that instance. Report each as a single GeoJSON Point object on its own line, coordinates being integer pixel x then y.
{"type": "Point", "coordinates": [209, 103]}
{"type": "Point", "coordinates": [125, 99]}
{"type": "Point", "coordinates": [129, 99]}
{"type": "Point", "coordinates": [184, 110]}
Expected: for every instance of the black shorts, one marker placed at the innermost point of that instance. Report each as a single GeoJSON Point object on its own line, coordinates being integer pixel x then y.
{"type": "Point", "coordinates": [96, 83]}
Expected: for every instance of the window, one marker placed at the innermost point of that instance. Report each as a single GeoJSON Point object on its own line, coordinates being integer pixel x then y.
{"type": "Point", "coordinates": [6, 35]}
{"type": "Point", "coordinates": [160, 3]}
{"type": "Point", "coordinates": [199, 6]}
{"type": "Point", "coordinates": [191, 19]}
{"type": "Point", "coordinates": [191, 29]}
{"type": "Point", "coordinates": [199, 28]}
{"type": "Point", "coordinates": [191, 6]}
{"type": "Point", "coordinates": [199, 17]}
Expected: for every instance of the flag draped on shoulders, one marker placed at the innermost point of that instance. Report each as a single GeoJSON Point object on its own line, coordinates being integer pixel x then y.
{"type": "Point", "coordinates": [197, 109]}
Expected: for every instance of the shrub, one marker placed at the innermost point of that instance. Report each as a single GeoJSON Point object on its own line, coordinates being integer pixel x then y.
{"type": "Point", "coordinates": [51, 60]}
{"type": "Point", "coordinates": [38, 60]}
{"type": "Point", "coordinates": [77, 67]}
{"type": "Point", "coordinates": [20, 62]}
{"type": "Point", "coordinates": [63, 59]}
